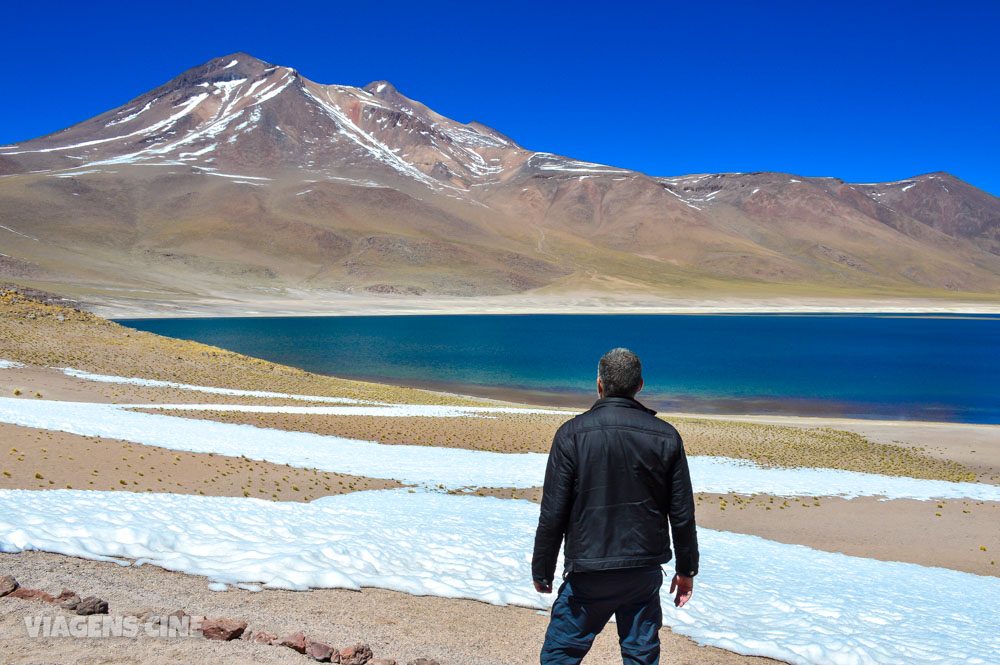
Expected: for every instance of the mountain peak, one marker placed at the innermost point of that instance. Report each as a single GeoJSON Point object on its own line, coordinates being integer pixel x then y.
{"type": "Point", "coordinates": [381, 89]}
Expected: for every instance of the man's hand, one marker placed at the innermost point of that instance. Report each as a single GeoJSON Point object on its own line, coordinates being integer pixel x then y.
{"type": "Point", "coordinates": [684, 587]}
{"type": "Point", "coordinates": [543, 589]}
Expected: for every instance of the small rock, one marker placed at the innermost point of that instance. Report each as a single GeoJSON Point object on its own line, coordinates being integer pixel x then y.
{"type": "Point", "coordinates": [8, 585]}
{"type": "Point", "coordinates": [60, 318]}
{"type": "Point", "coordinates": [222, 629]}
{"type": "Point", "coordinates": [359, 654]}
{"type": "Point", "coordinates": [31, 594]}
{"type": "Point", "coordinates": [247, 636]}
{"type": "Point", "coordinates": [65, 594]}
{"type": "Point", "coordinates": [70, 603]}
{"type": "Point", "coordinates": [319, 651]}
{"type": "Point", "coordinates": [296, 641]}
{"type": "Point", "coordinates": [92, 605]}
{"type": "Point", "coordinates": [382, 661]}
{"type": "Point", "coordinates": [262, 637]}
{"type": "Point", "coordinates": [423, 661]}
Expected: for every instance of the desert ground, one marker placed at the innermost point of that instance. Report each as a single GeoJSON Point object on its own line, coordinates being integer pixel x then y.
{"type": "Point", "coordinates": [44, 336]}
{"type": "Point", "coordinates": [136, 304]}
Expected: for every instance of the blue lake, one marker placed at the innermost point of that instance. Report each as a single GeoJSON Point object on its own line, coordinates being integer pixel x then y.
{"type": "Point", "coordinates": [894, 367]}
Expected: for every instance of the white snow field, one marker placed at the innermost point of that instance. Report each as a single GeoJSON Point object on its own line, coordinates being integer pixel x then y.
{"type": "Point", "coordinates": [106, 378]}
{"type": "Point", "coordinates": [9, 364]}
{"type": "Point", "coordinates": [433, 466]}
{"type": "Point", "coordinates": [754, 596]}
{"type": "Point", "coordinates": [425, 465]}
{"type": "Point", "coordinates": [387, 409]}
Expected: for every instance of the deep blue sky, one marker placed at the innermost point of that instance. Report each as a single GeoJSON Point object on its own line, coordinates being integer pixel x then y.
{"type": "Point", "coordinates": [862, 91]}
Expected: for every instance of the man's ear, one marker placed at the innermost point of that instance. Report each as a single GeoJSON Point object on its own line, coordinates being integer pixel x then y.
{"type": "Point", "coordinates": [640, 386]}
{"type": "Point", "coordinates": [600, 388]}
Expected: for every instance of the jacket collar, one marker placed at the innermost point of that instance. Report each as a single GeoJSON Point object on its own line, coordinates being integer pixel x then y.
{"type": "Point", "coordinates": [626, 402]}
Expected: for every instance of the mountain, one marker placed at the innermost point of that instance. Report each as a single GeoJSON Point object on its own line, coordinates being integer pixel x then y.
{"type": "Point", "coordinates": [241, 180]}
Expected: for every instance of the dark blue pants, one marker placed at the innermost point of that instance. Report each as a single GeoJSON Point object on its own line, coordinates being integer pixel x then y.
{"type": "Point", "coordinates": [586, 602]}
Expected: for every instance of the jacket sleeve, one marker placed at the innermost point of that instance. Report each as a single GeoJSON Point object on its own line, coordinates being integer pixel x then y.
{"type": "Point", "coordinates": [681, 515]}
{"type": "Point", "coordinates": [557, 500]}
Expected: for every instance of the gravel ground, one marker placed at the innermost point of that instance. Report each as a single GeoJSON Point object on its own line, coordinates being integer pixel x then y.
{"type": "Point", "coordinates": [395, 625]}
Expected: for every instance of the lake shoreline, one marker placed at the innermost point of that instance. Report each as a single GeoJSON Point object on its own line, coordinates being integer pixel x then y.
{"type": "Point", "coordinates": [339, 304]}
{"type": "Point", "coordinates": [889, 367]}
{"type": "Point", "coordinates": [775, 411]}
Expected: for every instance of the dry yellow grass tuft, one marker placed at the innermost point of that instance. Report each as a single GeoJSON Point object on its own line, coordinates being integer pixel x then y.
{"type": "Point", "coordinates": [505, 433]}
{"type": "Point", "coordinates": [41, 333]}
{"type": "Point", "coordinates": [783, 446]}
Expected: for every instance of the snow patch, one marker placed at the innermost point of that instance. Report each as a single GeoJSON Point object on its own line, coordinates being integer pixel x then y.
{"type": "Point", "coordinates": [230, 175]}
{"type": "Point", "coordinates": [377, 409]}
{"type": "Point", "coordinates": [18, 233]}
{"type": "Point", "coordinates": [232, 64]}
{"type": "Point", "coordinates": [10, 364]}
{"type": "Point", "coordinates": [154, 383]}
{"type": "Point", "coordinates": [229, 86]}
{"type": "Point", "coordinates": [131, 116]}
{"type": "Point", "coordinates": [451, 468]}
{"type": "Point", "coordinates": [545, 161]}
{"type": "Point", "coordinates": [804, 606]}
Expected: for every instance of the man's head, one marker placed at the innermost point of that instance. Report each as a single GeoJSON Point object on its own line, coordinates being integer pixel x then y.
{"type": "Point", "coordinates": [619, 374]}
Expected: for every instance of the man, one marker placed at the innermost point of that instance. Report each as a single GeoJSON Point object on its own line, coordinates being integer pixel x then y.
{"type": "Point", "coordinates": [616, 477]}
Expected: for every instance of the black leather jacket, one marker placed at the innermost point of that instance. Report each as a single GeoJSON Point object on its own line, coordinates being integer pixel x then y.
{"type": "Point", "coordinates": [616, 477]}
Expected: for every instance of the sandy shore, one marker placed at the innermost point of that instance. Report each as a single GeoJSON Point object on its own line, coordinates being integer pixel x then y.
{"type": "Point", "coordinates": [298, 303]}
{"type": "Point", "coordinates": [976, 447]}
{"type": "Point", "coordinates": [40, 459]}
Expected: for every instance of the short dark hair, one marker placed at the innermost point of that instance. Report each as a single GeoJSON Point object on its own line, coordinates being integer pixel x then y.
{"type": "Point", "coordinates": [620, 373]}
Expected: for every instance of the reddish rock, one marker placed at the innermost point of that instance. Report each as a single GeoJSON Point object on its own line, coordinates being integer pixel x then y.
{"type": "Point", "coordinates": [296, 641]}
{"type": "Point", "coordinates": [92, 605]}
{"type": "Point", "coordinates": [70, 603]}
{"type": "Point", "coordinates": [65, 594]}
{"type": "Point", "coordinates": [31, 594]}
{"type": "Point", "coordinates": [359, 654]}
{"type": "Point", "coordinates": [262, 637]}
{"type": "Point", "coordinates": [8, 585]}
{"type": "Point", "coordinates": [319, 651]}
{"type": "Point", "coordinates": [222, 629]}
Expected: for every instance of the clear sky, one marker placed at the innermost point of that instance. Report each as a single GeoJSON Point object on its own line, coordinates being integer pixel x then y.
{"type": "Point", "coordinates": [864, 91]}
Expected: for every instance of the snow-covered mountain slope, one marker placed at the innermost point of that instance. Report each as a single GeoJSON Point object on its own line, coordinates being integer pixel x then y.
{"type": "Point", "coordinates": [240, 114]}
{"type": "Point", "coordinates": [240, 174]}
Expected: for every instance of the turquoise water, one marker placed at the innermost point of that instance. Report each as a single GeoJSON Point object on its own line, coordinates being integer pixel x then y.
{"type": "Point", "coordinates": [898, 367]}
